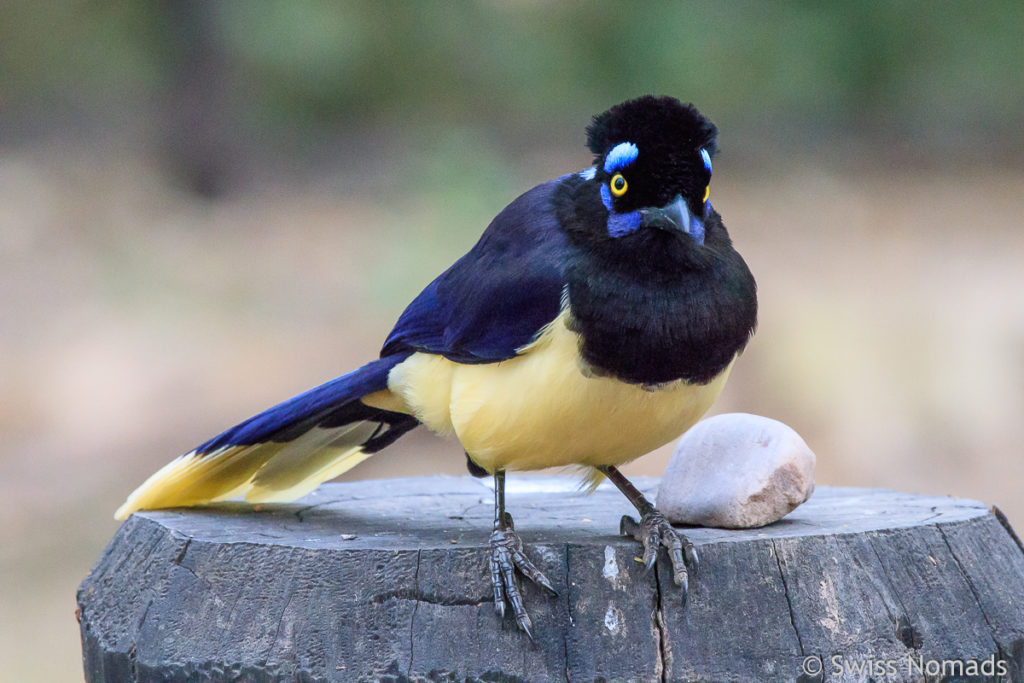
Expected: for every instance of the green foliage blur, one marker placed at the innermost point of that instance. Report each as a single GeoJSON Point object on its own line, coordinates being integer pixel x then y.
{"type": "Point", "coordinates": [929, 77]}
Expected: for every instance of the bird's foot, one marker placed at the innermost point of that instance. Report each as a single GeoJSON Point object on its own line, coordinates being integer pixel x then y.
{"type": "Point", "coordinates": [654, 531]}
{"type": "Point", "coordinates": [507, 556]}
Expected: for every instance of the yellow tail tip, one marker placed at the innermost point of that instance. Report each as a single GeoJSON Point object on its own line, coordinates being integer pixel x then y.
{"type": "Point", "coordinates": [237, 471]}
{"type": "Point", "coordinates": [124, 512]}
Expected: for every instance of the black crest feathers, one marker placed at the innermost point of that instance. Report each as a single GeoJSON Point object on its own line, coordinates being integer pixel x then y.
{"type": "Point", "coordinates": [652, 123]}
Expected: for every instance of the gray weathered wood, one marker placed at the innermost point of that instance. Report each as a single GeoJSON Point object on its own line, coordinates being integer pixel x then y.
{"type": "Point", "coordinates": [386, 580]}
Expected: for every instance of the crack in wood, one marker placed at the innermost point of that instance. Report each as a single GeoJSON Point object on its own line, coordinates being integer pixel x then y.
{"type": "Point", "coordinates": [133, 653]}
{"type": "Point", "coordinates": [465, 511]}
{"type": "Point", "coordinates": [300, 513]}
{"type": "Point", "coordinates": [1005, 523]}
{"type": "Point", "coordinates": [568, 616]}
{"type": "Point", "coordinates": [789, 601]}
{"type": "Point", "coordinates": [280, 620]}
{"type": "Point", "coordinates": [416, 606]}
{"type": "Point", "coordinates": [181, 558]}
{"type": "Point", "coordinates": [430, 599]}
{"type": "Point", "coordinates": [974, 591]}
{"type": "Point", "coordinates": [133, 660]}
{"type": "Point", "coordinates": [659, 626]}
{"type": "Point", "coordinates": [905, 629]}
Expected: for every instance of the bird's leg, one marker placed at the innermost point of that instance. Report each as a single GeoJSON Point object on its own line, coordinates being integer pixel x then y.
{"type": "Point", "coordinates": [507, 556]}
{"type": "Point", "coordinates": [653, 530]}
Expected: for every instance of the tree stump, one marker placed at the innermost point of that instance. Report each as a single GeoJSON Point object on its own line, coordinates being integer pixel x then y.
{"type": "Point", "coordinates": [388, 580]}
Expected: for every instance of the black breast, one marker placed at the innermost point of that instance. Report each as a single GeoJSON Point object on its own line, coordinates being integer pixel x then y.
{"type": "Point", "coordinates": [654, 307]}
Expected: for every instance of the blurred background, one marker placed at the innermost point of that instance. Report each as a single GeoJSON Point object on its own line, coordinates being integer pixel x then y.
{"type": "Point", "coordinates": [208, 207]}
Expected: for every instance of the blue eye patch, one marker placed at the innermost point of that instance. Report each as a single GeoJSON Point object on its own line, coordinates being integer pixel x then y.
{"type": "Point", "coordinates": [621, 156]}
{"type": "Point", "coordinates": [619, 224]}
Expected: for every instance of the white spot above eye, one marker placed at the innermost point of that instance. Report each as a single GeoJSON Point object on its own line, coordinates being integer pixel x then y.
{"type": "Point", "coordinates": [621, 156]}
{"type": "Point", "coordinates": [588, 173]}
{"type": "Point", "coordinates": [611, 565]}
{"type": "Point", "coordinates": [706, 158]}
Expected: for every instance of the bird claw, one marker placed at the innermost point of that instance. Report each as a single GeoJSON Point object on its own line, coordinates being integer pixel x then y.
{"type": "Point", "coordinates": [506, 556]}
{"type": "Point", "coordinates": [654, 531]}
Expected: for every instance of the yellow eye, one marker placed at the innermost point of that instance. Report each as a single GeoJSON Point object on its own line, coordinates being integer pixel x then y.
{"type": "Point", "coordinates": [707, 193]}
{"type": "Point", "coordinates": [618, 185]}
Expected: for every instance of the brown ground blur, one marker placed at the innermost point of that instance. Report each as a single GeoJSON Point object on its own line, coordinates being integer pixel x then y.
{"type": "Point", "coordinates": [137, 322]}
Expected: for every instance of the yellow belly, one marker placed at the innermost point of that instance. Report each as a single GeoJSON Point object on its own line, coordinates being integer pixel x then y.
{"type": "Point", "coordinates": [540, 409]}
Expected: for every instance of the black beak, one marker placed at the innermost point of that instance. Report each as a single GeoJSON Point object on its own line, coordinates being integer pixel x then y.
{"type": "Point", "coordinates": [673, 216]}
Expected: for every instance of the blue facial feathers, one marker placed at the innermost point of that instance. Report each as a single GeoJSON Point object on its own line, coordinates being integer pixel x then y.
{"type": "Point", "coordinates": [706, 158]}
{"type": "Point", "coordinates": [619, 224]}
{"type": "Point", "coordinates": [622, 155]}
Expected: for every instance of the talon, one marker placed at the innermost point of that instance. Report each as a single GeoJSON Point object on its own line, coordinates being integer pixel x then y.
{"type": "Point", "coordinates": [651, 543]}
{"type": "Point", "coordinates": [506, 557]}
{"type": "Point", "coordinates": [525, 624]}
{"type": "Point", "coordinates": [547, 586]}
{"type": "Point", "coordinates": [650, 558]}
{"type": "Point", "coordinates": [654, 531]}
{"type": "Point", "coordinates": [691, 557]}
{"type": "Point", "coordinates": [530, 571]}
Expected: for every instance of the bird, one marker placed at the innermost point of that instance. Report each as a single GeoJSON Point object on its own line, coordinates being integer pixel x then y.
{"type": "Point", "coordinates": [597, 318]}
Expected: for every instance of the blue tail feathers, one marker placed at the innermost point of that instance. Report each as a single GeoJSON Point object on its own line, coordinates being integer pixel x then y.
{"type": "Point", "coordinates": [331, 404]}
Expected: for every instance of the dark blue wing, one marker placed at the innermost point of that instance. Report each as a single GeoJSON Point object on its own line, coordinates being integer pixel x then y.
{"type": "Point", "coordinates": [494, 299]}
{"type": "Point", "coordinates": [331, 404]}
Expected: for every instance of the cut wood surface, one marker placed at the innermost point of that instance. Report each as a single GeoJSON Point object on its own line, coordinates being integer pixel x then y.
{"type": "Point", "coordinates": [387, 580]}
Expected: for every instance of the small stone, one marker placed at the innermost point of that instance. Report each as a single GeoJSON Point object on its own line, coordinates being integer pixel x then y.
{"type": "Point", "coordinates": [736, 471]}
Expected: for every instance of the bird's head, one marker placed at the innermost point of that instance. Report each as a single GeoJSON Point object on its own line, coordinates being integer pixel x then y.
{"type": "Point", "coordinates": [652, 170]}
